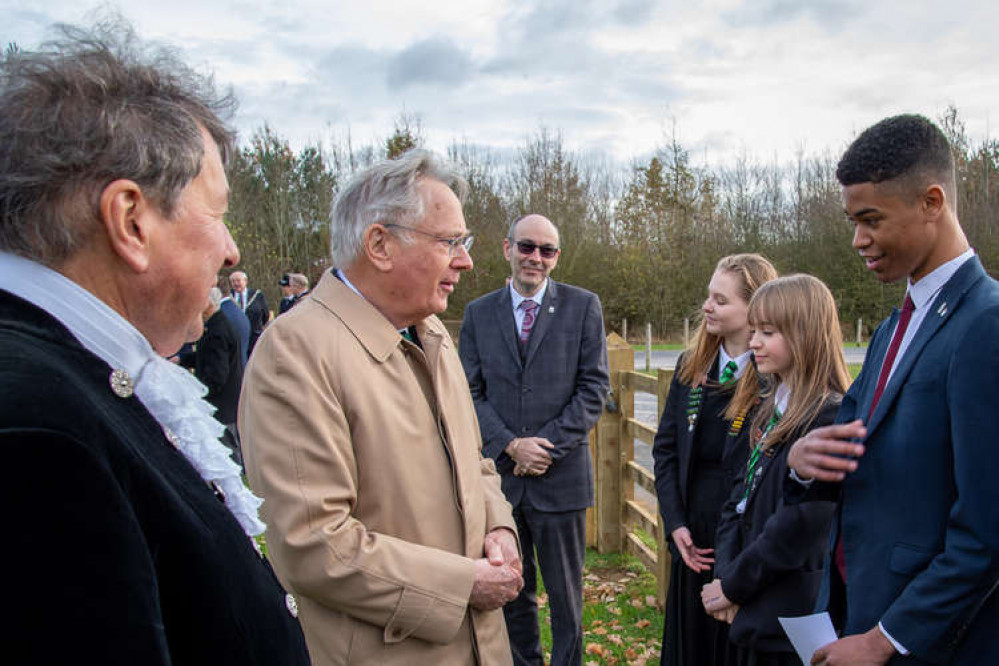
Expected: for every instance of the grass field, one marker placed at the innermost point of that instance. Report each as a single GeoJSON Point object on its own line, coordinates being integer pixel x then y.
{"type": "Point", "coordinates": [621, 624]}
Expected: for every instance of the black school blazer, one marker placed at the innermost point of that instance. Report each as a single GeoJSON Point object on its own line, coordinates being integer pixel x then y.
{"type": "Point", "coordinates": [770, 558]}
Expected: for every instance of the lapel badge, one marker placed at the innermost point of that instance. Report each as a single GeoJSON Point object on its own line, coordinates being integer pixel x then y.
{"type": "Point", "coordinates": [942, 310]}
{"type": "Point", "coordinates": [551, 309]}
{"type": "Point", "coordinates": [121, 384]}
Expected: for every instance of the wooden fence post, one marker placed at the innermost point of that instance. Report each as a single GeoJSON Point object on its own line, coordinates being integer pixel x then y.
{"type": "Point", "coordinates": [860, 328]}
{"type": "Point", "coordinates": [608, 470]}
{"type": "Point", "coordinates": [686, 332]}
{"type": "Point", "coordinates": [624, 329]}
{"type": "Point", "coordinates": [648, 348]}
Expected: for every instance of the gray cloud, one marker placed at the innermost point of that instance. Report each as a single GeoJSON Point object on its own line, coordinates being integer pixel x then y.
{"type": "Point", "coordinates": [831, 14]}
{"type": "Point", "coordinates": [436, 61]}
{"type": "Point", "coordinates": [634, 12]}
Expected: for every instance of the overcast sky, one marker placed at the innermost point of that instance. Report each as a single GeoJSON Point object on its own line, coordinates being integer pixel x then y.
{"type": "Point", "coordinates": [761, 77]}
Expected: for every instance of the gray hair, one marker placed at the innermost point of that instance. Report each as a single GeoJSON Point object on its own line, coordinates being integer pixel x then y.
{"type": "Point", "coordinates": [88, 108]}
{"type": "Point", "coordinates": [298, 280]}
{"type": "Point", "coordinates": [215, 297]}
{"type": "Point", "coordinates": [386, 192]}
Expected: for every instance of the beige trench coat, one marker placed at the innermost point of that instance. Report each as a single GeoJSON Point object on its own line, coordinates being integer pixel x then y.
{"type": "Point", "coordinates": [375, 507]}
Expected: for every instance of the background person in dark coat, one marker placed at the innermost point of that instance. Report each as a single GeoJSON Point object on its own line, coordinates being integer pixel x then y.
{"type": "Point", "coordinates": [128, 535]}
{"type": "Point", "coordinates": [237, 319]}
{"type": "Point", "coordinates": [536, 401]}
{"type": "Point", "coordinates": [253, 303]}
{"type": "Point", "coordinates": [219, 366]}
{"type": "Point", "coordinates": [287, 295]}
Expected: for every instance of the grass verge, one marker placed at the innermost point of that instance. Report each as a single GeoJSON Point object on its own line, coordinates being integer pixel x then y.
{"type": "Point", "coordinates": [621, 624]}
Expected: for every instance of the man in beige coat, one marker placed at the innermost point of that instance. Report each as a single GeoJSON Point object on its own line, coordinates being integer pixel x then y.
{"type": "Point", "coordinates": [358, 429]}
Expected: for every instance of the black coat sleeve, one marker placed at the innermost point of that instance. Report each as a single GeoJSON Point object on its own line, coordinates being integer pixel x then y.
{"type": "Point", "coordinates": [666, 459]}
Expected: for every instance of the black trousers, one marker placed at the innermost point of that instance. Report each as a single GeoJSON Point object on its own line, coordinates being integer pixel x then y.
{"type": "Point", "coordinates": [555, 543]}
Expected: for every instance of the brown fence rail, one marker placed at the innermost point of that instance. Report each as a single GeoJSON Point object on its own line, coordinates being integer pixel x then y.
{"type": "Point", "coordinates": [618, 522]}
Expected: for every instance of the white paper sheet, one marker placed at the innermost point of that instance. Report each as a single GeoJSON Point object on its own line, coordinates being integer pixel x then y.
{"type": "Point", "coordinates": [808, 633]}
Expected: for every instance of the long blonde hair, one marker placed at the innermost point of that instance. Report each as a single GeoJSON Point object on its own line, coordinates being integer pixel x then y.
{"type": "Point", "coordinates": [752, 270]}
{"type": "Point", "coordinates": [803, 310]}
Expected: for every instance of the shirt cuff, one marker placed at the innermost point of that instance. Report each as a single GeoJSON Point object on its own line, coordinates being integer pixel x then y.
{"type": "Point", "coordinates": [800, 481]}
{"type": "Point", "coordinates": [895, 644]}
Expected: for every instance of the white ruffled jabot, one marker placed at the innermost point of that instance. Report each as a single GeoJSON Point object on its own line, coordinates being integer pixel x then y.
{"type": "Point", "coordinates": [173, 396]}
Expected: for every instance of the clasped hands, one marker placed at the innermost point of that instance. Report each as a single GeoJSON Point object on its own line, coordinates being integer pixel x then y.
{"type": "Point", "coordinates": [530, 455]}
{"type": "Point", "coordinates": [716, 603]}
{"type": "Point", "coordinates": [498, 575]}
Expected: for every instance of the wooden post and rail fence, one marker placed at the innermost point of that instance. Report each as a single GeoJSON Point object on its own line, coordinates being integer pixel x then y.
{"type": "Point", "coordinates": [618, 522]}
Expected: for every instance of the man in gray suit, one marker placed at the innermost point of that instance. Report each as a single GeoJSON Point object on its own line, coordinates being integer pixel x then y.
{"type": "Point", "coordinates": [536, 362]}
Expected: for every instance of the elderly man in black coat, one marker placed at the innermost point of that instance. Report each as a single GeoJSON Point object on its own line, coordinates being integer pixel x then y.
{"type": "Point", "coordinates": [129, 532]}
{"type": "Point", "coordinates": [218, 364]}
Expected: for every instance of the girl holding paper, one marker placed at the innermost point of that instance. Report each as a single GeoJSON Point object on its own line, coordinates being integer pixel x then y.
{"type": "Point", "coordinates": [769, 555]}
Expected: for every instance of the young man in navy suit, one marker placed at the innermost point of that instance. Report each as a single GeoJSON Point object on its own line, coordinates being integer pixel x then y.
{"type": "Point", "coordinates": [914, 555]}
{"type": "Point", "coordinates": [536, 362]}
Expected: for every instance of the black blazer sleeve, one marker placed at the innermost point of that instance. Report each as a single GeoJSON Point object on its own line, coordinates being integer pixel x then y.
{"type": "Point", "coordinates": [787, 538]}
{"type": "Point", "coordinates": [665, 455]}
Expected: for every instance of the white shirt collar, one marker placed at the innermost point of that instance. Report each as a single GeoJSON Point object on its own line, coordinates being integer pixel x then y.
{"type": "Point", "coordinates": [517, 298]}
{"type": "Point", "coordinates": [742, 360]}
{"type": "Point", "coordinates": [169, 393]}
{"type": "Point", "coordinates": [922, 292]}
{"type": "Point", "coordinates": [782, 397]}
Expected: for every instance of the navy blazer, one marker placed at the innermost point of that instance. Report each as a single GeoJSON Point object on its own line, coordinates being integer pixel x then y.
{"type": "Point", "coordinates": [557, 391]}
{"type": "Point", "coordinates": [920, 515]}
{"type": "Point", "coordinates": [673, 451]}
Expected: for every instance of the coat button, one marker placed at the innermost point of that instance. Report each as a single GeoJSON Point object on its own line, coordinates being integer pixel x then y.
{"type": "Point", "coordinates": [291, 604]}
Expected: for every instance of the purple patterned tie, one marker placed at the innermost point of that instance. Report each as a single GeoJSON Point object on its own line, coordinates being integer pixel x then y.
{"type": "Point", "coordinates": [530, 309]}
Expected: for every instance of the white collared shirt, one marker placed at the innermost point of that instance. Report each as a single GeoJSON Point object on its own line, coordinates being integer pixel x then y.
{"type": "Point", "coordinates": [923, 294]}
{"type": "Point", "coordinates": [742, 360]}
{"type": "Point", "coordinates": [517, 298]}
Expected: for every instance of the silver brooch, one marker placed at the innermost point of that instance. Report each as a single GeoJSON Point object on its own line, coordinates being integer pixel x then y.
{"type": "Point", "coordinates": [551, 309]}
{"type": "Point", "coordinates": [172, 438]}
{"type": "Point", "coordinates": [291, 604]}
{"type": "Point", "coordinates": [121, 384]}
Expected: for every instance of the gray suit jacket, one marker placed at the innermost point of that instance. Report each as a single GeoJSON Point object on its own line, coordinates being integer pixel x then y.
{"type": "Point", "coordinates": [557, 391]}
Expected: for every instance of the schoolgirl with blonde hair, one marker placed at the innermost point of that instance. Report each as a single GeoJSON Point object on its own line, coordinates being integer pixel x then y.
{"type": "Point", "coordinates": [700, 446]}
{"type": "Point", "coordinates": [769, 555]}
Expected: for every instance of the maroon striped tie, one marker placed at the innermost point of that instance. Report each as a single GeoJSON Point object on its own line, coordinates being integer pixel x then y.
{"type": "Point", "coordinates": [530, 309]}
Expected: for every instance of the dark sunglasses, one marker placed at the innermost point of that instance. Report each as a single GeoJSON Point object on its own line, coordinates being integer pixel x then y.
{"type": "Point", "coordinates": [527, 248]}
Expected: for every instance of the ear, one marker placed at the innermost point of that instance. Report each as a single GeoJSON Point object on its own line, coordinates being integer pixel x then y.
{"type": "Point", "coordinates": [934, 201]}
{"type": "Point", "coordinates": [507, 249]}
{"type": "Point", "coordinates": [126, 215]}
{"type": "Point", "coordinates": [376, 245]}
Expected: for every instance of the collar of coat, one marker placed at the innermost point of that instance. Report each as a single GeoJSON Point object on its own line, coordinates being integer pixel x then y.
{"type": "Point", "coordinates": [373, 331]}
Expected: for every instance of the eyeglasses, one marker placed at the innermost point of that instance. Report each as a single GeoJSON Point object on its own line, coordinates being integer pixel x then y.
{"type": "Point", "coordinates": [527, 248]}
{"type": "Point", "coordinates": [453, 244]}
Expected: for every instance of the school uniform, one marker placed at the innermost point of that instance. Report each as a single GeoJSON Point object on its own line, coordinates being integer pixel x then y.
{"type": "Point", "coordinates": [769, 555]}
{"type": "Point", "coordinates": [697, 454]}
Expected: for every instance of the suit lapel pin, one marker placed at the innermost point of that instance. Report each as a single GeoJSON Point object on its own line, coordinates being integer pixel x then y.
{"type": "Point", "coordinates": [942, 310]}
{"type": "Point", "coordinates": [121, 384]}
{"type": "Point", "coordinates": [551, 309]}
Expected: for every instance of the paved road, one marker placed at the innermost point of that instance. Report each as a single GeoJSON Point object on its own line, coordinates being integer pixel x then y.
{"type": "Point", "coordinates": [667, 359]}
{"type": "Point", "coordinates": [647, 411]}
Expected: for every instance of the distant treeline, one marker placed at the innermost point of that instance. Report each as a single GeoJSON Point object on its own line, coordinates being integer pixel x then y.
{"type": "Point", "coordinates": [644, 238]}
